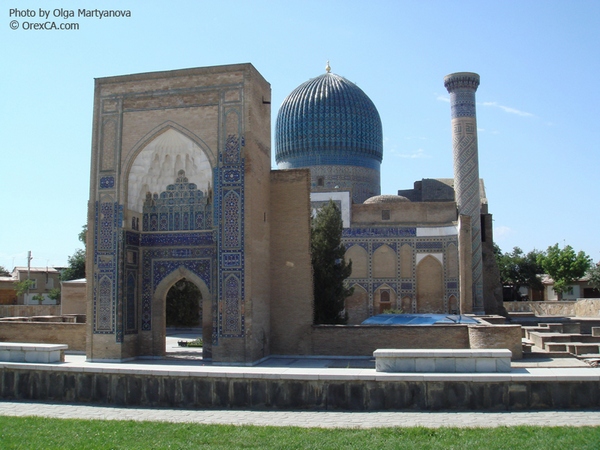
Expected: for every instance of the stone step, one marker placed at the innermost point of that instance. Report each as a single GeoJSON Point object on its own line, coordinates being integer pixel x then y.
{"type": "Point", "coordinates": [555, 347]}
{"type": "Point", "coordinates": [579, 348]}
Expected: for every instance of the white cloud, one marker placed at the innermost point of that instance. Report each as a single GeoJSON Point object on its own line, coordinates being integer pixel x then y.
{"type": "Point", "coordinates": [443, 98]}
{"type": "Point", "coordinates": [420, 153]}
{"type": "Point", "coordinates": [501, 231]}
{"type": "Point", "coordinates": [508, 109]}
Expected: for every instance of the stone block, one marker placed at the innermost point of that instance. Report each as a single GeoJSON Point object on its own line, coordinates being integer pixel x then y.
{"type": "Point", "coordinates": [465, 365]}
{"type": "Point", "coordinates": [425, 365]}
{"type": "Point", "coordinates": [16, 356]}
{"type": "Point", "coordinates": [571, 327]}
{"type": "Point", "coordinates": [398, 365]}
{"type": "Point", "coordinates": [555, 347]}
{"type": "Point", "coordinates": [35, 357]}
{"type": "Point", "coordinates": [485, 365]}
{"type": "Point", "coordinates": [445, 365]}
{"type": "Point", "coordinates": [503, 365]}
{"type": "Point", "coordinates": [518, 397]}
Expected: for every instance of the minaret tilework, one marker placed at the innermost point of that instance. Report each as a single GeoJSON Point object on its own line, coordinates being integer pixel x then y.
{"type": "Point", "coordinates": [462, 87]}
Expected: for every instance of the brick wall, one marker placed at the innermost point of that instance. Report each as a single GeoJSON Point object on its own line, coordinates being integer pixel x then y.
{"type": "Point", "coordinates": [364, 340]}
{"type": "Point", "coordinates": [72, 334]}
{"type": "Point", "coordinates": [497, 337]}
{"type": "Point", "coordinates": [29, 310]}
{"type": "Point", "coordinates": [73, 298]}
{"type": "Point", "coordinates": [291, 270]}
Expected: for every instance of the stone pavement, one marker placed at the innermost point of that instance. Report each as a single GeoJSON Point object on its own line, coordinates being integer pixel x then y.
{"type": "Point", "coordinates": [318, 419]}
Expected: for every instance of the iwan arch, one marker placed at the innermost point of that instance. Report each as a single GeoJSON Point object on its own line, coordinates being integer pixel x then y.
{"type": "Point", "coordinates": [182, 188]}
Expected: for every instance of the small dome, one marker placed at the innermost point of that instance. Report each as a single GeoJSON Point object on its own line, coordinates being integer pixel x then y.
{"type": "Point", "coordinates": [386, 199]}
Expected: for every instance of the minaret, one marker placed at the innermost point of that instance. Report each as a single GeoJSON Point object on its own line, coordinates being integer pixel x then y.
{"type": "Point", "coordinates": [462, 87]}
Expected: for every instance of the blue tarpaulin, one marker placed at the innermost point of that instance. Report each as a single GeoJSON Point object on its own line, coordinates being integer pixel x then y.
{"type": "Point", "coordinates": [419, 319]}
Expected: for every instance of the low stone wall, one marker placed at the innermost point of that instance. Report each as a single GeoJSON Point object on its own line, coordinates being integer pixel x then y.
{"type": "Point", "coordinates": [72, 334]}
{"type": "Point", "coordinates": [363, 340]}
{"type": "Point", "coordinates": [29, 310]}
{"type": "Point", "coordinates": [70, 318]}
{"type": "Point", "coordinates": [332, 393]}
{"type": "Point", "coordinates": [585, 307]}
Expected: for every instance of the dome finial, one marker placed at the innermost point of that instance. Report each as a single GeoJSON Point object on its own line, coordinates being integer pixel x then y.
{"type": "Point", "coordinates": [328, 67]}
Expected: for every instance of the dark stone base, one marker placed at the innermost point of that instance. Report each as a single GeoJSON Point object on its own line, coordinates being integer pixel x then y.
{"type": "Point", "coordinates": [256, 393]}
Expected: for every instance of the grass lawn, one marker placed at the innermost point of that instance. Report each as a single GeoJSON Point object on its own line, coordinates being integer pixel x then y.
{"type": "Point", "coordinates": [44, 433]}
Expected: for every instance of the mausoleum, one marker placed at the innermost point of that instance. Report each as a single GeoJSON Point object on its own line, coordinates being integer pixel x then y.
{"type": "Point", "coordinates": [182, 189]}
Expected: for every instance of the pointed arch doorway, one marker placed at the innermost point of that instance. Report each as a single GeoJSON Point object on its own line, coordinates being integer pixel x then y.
{"type": "Point", "coordinates": [182, 299]}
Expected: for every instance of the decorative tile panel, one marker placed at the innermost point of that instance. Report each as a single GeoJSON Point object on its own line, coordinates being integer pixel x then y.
{"type": "Point", "coordinates": [366, 232]}
{"type": "Point", "coordinates": [430, 245]}
{"type": "Point", "coordinates": [130, 301]}
{"type": "Point", "coordinates": [107, 216]}
{"type": "Point", "coordinates": [232, 317]}
{"type": "Point", "coordinates": [181, 207]}
{"type": "Point", "coordinates": [107, 182]}
{"type": "Point", "coordinates": [177, 239]}
{"type": "Point", "coordinates": [104, 309]}
{"type": "Point", "coordinates": [229, 213]}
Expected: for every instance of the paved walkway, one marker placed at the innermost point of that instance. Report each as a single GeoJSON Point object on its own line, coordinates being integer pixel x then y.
{"type": "Point", "coordinates": [187, 361]}
{"type": "Point", "coordinates": [319, 419]}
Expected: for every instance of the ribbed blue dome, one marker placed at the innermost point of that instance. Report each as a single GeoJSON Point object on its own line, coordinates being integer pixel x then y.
{"type": "Point", "coordinates": [328, 121]}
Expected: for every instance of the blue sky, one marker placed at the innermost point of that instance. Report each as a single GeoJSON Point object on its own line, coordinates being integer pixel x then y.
{"type": "Point", "coordinates": [537, 105]}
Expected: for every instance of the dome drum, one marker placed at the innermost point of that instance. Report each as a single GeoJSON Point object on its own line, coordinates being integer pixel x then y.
{"type": "Point", "coordinates": [362, 182]}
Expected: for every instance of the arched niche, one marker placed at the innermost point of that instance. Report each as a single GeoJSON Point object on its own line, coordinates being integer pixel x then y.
{"type": "Point", "coordinates": [160, 160]}
{"type": "Point", "coordinates": [384, 262]}
{"type": "Point", "coordinates": [360, 261]}
{"type": "Point", "coordinates": [453, 307]}
{"type": "Point", "coordinates": [430, 285]}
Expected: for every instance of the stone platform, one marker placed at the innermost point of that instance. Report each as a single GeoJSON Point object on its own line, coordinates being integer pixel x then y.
{"type": "Point", "coordinates": [344, 384]}
{"type": "Point", "coordinates": [33, 353]}
{"type": "Point", "coordinates": [442, 360]}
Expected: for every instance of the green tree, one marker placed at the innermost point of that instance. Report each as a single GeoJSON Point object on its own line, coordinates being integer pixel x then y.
{"type": "Point", "coordinates": [54, 294]}
{"type": "Point", "coordinates": [564, 266]}
{"type": "Point", "coordinates": [329, 267]}
{"type": "Point", "coordinates": [183, 305]}
{"type": "Point", "coordinates": [3, 271]}
{"type": "Point", "coordinates": [594, 274]}
{"type": "Point", "coordinates": [76, 268]}
{"type": "Point", "coordinates": [518, 269]}
{"type": "Point", "coordinates": [22, 287]}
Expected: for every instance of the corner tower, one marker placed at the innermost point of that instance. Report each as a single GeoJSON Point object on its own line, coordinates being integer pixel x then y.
{"type": "Point", "coordinates": [462, 87]}
{"type": "Point", "coordinates": [329, 125]}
